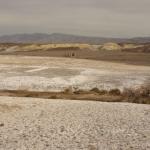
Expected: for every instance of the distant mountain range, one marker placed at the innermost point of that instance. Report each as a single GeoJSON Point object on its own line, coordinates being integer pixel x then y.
{"type": "Point", "coordinates": [66, 38]}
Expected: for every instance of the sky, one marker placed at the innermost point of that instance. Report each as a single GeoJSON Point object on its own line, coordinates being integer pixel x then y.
{"type": "Point", "coordinates": [103, 18]}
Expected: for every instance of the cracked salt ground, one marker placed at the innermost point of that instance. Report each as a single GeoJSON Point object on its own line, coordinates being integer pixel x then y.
{"type": "Point", "coordinates": [57, 74]}
{"type": "Point", "coordinates": [95, 79]}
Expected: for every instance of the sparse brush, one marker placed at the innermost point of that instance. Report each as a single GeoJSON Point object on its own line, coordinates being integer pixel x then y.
{"type": "Point", "coordinates": [53, 97]}
{"type": "Point", "coordinates": [96, 90]}
{"type": "Point", "coordinates": [115, 92]}
{"type": "Point", "coordinates": [68, 90]}
{"type": "Point", "coordinates": [79, 92]}
{"type": "Point", "coordinates": [101, 92]}
{"type": "Point", "coordinates": [140, 95]}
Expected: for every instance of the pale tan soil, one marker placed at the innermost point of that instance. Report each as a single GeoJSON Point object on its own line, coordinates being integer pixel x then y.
{"type": "Point", "coordinates": [39, 124]}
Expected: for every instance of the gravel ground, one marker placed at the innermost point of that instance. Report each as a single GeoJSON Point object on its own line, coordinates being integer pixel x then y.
{"type": "Point", "coordinates": [37, 124]}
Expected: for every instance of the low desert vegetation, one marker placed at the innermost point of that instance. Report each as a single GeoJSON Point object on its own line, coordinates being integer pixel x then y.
{"type": "Point", "coordinates": [140, 95]}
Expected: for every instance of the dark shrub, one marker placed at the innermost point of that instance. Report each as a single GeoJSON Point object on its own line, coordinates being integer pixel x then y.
{"type": "Point", "coordinates": [53, 97]}
{"type": "Point", "coordinates": [79, 92]}
{"type": "Point", "coordinates": [96, 90]}
{"type": "Point", "coordinates": [103, 92]}
{"type": "Point", "coordinates": [115, 92]}
{"type": "Point", "coordinates": [68, 90]}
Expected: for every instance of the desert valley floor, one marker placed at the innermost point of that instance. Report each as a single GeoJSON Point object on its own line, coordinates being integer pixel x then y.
{"type": "Point", "coordinates": [48, 124]}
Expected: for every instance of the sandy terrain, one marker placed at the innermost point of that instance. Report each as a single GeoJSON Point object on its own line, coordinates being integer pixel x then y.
{"type": "Point", "coordinates": [50, 74]}
{"type": "Point", "coordinates": [37, 124]}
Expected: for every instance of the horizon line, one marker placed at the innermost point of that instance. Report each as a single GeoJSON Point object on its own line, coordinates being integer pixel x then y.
{"type": "Point", "coordinates": [71, 34]}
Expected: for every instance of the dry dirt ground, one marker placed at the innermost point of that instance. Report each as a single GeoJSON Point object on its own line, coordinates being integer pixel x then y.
{"type": "Point", "coordinates": [54, 74]}
{"type": "Point", "coordinates": [128, 57]}
{"type": "Point", "coordinates": [40, 124]}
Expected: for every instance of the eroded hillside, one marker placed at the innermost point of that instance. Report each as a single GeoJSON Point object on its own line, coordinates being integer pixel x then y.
{"type": "Point", "coordinates": [10, 48]}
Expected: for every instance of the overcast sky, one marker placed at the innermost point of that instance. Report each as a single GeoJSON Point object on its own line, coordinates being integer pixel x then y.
{"type": "Point", "coordinates": [109, 18]}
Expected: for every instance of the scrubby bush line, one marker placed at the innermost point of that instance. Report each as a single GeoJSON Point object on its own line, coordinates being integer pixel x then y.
{"type": "Point", "coordinates": [140, 95]}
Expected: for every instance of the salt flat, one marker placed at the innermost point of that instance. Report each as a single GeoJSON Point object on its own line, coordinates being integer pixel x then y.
{"type": "Point", "coordinates": [50, 74]}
